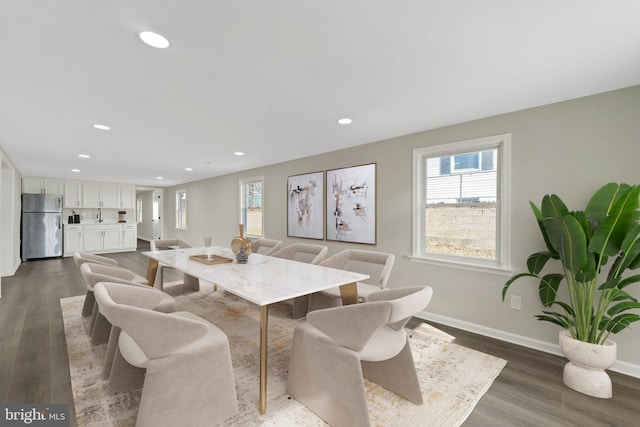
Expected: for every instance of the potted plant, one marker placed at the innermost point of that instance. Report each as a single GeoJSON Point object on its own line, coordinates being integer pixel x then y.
{"type": "Point", "coordinates": [583, 242]}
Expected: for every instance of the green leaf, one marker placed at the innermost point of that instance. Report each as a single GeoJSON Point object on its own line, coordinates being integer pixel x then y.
{"type": "Point", "coordinates": [548, 288]}
{"type": "Point", "coordinates": [610, 284]}
{"type": "Point", "coordinates": [569, 240]}
{"type": "Point", "coordinates": [581, 217]}
{"type": "Point", "coordinates": [621, 322]}
{"type": "Point", "coordinates": [537, 261]}
{"type": "Point", "coordinates": [629, 281]}
{"type": "Point", "coordinates": [635, 263]}
{"type": "Point", "coordinates": [539, 218]}
{"type": "Point", "coordinates": [553, 207]}
{"type": "Point", "coordinates": [567, 308]}
{"type": "Point", "coordinates": [513, 279]}
{"type": "Point", "coordinates": [556, 318]}
{"type": "Point", "coordinates": [603, 200]}
{"type": "Point", "coordinates": [620, 295]}
{"type": "Point", "coordinates": [608, 237]}
{"type": "Point", "coordinates": [630, 249]}
{"type": "Point", "coordinates": [623, 306]}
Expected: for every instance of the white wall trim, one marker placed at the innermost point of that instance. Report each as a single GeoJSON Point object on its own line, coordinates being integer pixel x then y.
{"type": "Point", "coordinates": [620, 366]}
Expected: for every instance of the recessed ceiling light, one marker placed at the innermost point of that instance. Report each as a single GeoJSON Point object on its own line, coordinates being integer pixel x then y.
{"type": "Point", "coordinates": [188, 169]}
{"type": "Point", "coordinates": [159, 177]}
{"type": "Point", "coordinates": [84, 156]}
{"type": "Point", "coordinates": [75, 170]}
{"type": "Point", "coordinates": [345, 121]}
{"type": "Point", "coordinates": [101, 127]}
{"type": "Point", "coordinates": [154, 39]}
{"type": "Point", "coordinates": [239, 153]}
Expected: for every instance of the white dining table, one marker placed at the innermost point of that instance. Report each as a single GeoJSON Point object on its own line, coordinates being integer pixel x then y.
{"type": "Point", "coordinates": [263, 280]}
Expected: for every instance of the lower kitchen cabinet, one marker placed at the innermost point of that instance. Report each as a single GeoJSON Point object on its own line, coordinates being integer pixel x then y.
{"type": "Point", "coordinates": [129, 236]}
{"type": "Point", "coordinates": [72, 239]}
{"type": "Point", "coordinates": [100, 238]}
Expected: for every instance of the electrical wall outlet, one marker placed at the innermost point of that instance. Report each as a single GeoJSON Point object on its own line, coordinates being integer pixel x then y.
{"type": "Point", "coordinates": [516, 302]}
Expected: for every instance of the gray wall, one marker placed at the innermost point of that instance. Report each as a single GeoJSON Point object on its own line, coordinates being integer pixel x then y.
{"type": "Point", "coordinates": [570, 148]}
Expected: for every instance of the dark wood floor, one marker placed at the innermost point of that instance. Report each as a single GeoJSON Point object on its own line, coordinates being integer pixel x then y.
{"type": "Point", "coordinates": [34, 367]}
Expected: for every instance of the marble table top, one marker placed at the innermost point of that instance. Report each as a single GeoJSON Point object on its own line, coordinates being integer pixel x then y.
{"type": "Point", "coordinates": [263, 280]}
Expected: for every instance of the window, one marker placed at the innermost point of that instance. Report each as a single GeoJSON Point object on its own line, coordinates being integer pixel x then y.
{"type": "Point", "coordinates": [251, 212]}
{"type": "Point", "coordinates": [181, 209]}
{"type": "Point", "coordinates": [139, 209]}
{"type": "Point", "coordinates": [461, 203]}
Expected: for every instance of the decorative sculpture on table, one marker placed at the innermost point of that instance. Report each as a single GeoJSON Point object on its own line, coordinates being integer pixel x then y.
{"type": "Point", "coordinates": [241, 242]}
{"type": "Point", "coordinates": [242, 256]}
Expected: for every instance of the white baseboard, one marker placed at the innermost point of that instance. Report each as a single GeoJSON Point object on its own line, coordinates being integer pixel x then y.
{"type": "Point", "coordinates": [12, 271]}
{"type": "Point", "coordinates": [620, 366]}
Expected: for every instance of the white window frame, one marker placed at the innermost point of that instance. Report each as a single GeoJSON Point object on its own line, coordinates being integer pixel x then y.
{"type": "Point", "coordinates": [242, 182]}
{"type": "Point", "coordinates": [179, 225]}
{"type": "Point", "coordinates": [502, 263]}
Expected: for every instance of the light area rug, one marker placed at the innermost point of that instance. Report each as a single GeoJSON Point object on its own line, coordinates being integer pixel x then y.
{"type": "Point", "coordinates": [453, 378]}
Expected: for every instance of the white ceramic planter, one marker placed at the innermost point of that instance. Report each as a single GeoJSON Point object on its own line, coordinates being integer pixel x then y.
{"type": "Point", "coordinates": [585, 371]}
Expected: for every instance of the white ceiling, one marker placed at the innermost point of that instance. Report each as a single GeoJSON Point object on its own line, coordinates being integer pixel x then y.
{"type": "Point", "coordinates": [271, 77]}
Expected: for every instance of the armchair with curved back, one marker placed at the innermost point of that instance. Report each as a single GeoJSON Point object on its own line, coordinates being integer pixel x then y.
{"type": "Point", "coordinates": [189, 377]}
{"type": "Point", "coordinates": [80, 258]}
{"type": "Point", "coordinates": [337, 347]}
{"type": "Point", "coordinates": [304, 252]}
{"type": "Point", "coordinates": [353, 260]}
{"type": "Point", "coordinates": [265, 246]}
{"type": "Point", "coordinates": [94, 273]}
{"type": "Point", "coordinates": [121, 375]}
{"type": "Point", "coordinates": [189, 281]}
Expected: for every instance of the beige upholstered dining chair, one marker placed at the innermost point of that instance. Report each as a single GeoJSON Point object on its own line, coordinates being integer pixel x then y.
{"type": "Point", "coordinates": [362, 261]}
{"type": "Point", "coordinates": [189, 281]}
{"type": "Point", "coordinates": [304, 252]}
{"type": "Point", "coordinates": [265, 246]}
{"type": "Point", "coordinates": [121, 375]}
{"type": "Point", "coordinates": [337, 347]}
{"type": "Point", "coordinates": [80, 258]}
{"type": "Point", "coordinates": [92, 274]}
{"type": "Point", "coordinates": [189, 377]}
{"type": "Point", "coordinates": [109, 271]}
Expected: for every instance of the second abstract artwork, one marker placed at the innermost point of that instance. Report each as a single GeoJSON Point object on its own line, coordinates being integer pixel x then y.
{"type": "Point", "coordinates": [351, 204]}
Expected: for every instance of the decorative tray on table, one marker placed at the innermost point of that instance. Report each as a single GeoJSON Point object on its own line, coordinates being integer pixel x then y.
{"type": "Point", "coordinates": [213, 259]}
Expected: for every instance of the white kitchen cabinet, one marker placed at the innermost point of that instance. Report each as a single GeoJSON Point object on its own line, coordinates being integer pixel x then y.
{"type": "Point", "coordinates": [99, 238]}
{"type": "Point", "coordinates": [72, 194]}
{"type": "Point", "coordinates": [126, 196]}
{"type": "Point", "coordinates": [129, 236]}
{"type": "Point", "coordinates": [100, 195]}
{"type": "Point", "coordinates": [34, 185]}
{"type": "Point", "coordinates": [91, 197]}
{"type": "Point", "coordinates": [72, 239]}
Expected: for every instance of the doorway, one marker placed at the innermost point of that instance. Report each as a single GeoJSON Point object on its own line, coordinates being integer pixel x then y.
{"type": "Point", "coordinates": [149, 213]}
{"type": "Point", "coordinates": [156, 217]}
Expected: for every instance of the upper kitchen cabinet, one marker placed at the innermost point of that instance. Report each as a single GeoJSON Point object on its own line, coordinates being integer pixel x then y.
{"type": "Point", "coordinates": [34, 185]}
{"type": "Point", "coordinates": [127, 196]}
{"type": "Point", "coordinates": [100, 195]}
{"type": "Point", "coordinates": [73, 194]}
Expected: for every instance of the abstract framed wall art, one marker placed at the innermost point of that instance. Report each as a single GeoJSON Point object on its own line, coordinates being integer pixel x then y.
{"type": "Point", "coordinates": [305, 205]}
{"type": "Point", "coordinates": [351, 204]}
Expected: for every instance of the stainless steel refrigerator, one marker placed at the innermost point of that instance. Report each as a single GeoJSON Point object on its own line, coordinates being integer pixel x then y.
{"type": "Point", "coordinates": [41, 226]}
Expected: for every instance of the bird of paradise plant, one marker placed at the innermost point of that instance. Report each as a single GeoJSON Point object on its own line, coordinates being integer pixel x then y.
{"type": "Point", "coordinates": [583, 242]}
